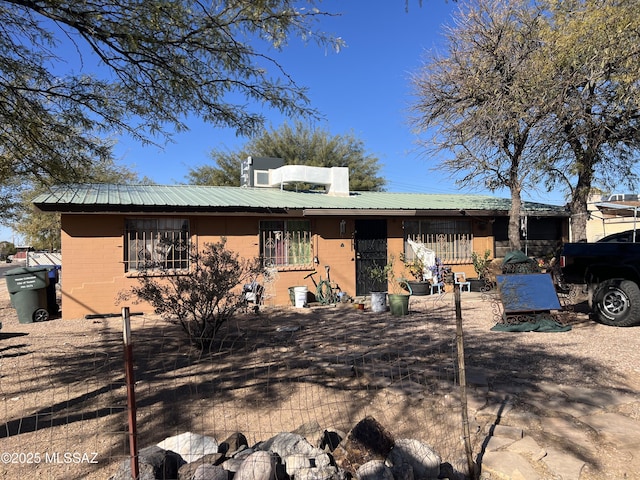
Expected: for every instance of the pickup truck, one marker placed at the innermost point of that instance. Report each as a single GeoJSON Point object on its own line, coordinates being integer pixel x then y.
{"type": "Point", "coordinates": [611, 273]}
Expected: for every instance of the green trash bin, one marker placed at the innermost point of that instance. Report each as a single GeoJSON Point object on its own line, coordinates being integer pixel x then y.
{"type": "Point", "coordinates": [27, 288]}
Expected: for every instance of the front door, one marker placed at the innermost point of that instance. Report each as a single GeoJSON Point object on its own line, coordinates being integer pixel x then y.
{"type": "Point", "coordinates": [371, 248]}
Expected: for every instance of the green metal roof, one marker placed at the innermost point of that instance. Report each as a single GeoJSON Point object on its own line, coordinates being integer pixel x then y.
{"type": "Point", "coordinates": [93, 198]}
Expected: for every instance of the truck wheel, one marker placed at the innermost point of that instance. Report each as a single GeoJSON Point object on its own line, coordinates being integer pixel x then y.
{"type": "Point", "coordinates": [617, 303]}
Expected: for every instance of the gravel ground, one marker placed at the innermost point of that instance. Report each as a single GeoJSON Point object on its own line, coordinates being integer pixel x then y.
{"type": "Point", "coordinates": [63, 395]}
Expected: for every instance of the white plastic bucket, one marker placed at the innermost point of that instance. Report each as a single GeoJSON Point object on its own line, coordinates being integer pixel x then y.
{"type": "Point", "coordinates": [378, 302]}
{"type": "Point", "coordinates": [300, 296]}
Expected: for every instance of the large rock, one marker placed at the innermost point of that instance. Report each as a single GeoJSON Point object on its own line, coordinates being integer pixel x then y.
{"type": "Point", "coordinates": [330, 472]}
{"type": "Point", "coordinates": [312, 432]}
{"type": "Point", "coordinates": [259, 465]}
{"type": "Point", "coordinates": [374, 470]}
{"type": "Point", "coordinates": [457, 472]}
{"type": "Point", "coordinates": [367, 441]}
{"type": "Point", "coordinates": [153, 462]}
{"type": "Point", "coordinates": [188, 470]}
{"type": "Point", "coordinates": [298, 461]}
{"type": "Point", "coordinates": [286, 443]}
{"type": "Point", "coordinates": [210, 472]}
{"type": "Point", "coordinates": [190, 446]}
{"type": "Point", "coordinates": [234, 463]}
{"type": "Point", "coordinates": [331, 438]}
{"type": "Point", "coordinates": [232, 444]}
{"type": "Point", "coordinates": [300, 458]}
{"type": "Point", "coordinates": [424, 462]}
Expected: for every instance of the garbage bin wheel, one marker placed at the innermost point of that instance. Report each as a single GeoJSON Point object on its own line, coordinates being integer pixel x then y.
{"type": "Point", "coordinates": [40, 315]}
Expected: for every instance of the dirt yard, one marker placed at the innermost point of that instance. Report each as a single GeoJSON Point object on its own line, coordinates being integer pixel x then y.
{"type": "Point", "coordinates": [63, 396]}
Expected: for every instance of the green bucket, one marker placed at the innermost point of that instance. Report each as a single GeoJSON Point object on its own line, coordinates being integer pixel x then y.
{"type": "Point", "coordinates": [399, 304]}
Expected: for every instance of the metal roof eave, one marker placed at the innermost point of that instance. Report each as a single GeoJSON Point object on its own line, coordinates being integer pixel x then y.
{"type": "Point", "coordinates": [307, 212]}
{"type": "Point", "coordinates": [618, 209]}
{"type": "Point", "coordinates": [158, 209]}
{"type": "Point", "coordinates": [310, 212]}
{"type": "Point", "coordinates": [395, 212]}
{"type": "Point", "coordinates": [200, 200]}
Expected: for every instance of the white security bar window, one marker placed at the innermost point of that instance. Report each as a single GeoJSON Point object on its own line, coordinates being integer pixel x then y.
{"type": "Point", "coordinates": [286, 243]}
{"type": "Point", "coordinates": [156, 244]}
{"type": "Point", "coordinates": [451, 240]}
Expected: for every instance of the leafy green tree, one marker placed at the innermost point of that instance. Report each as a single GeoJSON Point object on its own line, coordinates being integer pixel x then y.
{"type": "Point", "coordinates": [480, 102]}
{"type": "Point", "coordinates": [151, 65]}
{"type": "Point", "coordinates": [6, 249]}
{"type": "Point", "coordinates": [203, 301]}
{"type": "Point", "coordinates": [297, 145]}
{"type": "Point", "coordinates": [40, 230]}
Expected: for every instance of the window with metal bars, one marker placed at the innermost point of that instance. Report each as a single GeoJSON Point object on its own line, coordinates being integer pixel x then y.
{"type": "Point", "coordinates": [451, 240]}
{"type": "Point", "coordinates": [286, 243]}
{"type": "Point", "coordinates": [156, 244]}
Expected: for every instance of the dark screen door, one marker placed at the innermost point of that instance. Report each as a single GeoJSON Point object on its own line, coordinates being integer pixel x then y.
{"type": "Point", "coordinates": [371, 248]}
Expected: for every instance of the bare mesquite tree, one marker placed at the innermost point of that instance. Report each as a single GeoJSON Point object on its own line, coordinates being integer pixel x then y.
{"type": "Point", "coordinates": [536, 95]}
{"type": "Point", "coordinates": [478, 99]}
{"type": "Point", "coordinates": [75, 73]}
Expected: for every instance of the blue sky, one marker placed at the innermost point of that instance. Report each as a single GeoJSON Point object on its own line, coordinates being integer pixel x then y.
{"type": "Point", "coordinates": [365, 90]}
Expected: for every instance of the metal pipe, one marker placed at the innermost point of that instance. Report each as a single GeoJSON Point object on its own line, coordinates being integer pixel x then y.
{"type": "Point", "coordinates": [131, 395]}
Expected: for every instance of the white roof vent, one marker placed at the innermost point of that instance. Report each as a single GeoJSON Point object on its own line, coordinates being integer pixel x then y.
{"type": "Point", "coordinates": [334, 179]}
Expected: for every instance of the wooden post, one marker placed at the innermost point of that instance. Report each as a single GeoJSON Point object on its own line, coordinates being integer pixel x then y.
{"type": "Point", "coordinates": [462, 378]}
{"type": "Point", "coordinates": [131, 394]}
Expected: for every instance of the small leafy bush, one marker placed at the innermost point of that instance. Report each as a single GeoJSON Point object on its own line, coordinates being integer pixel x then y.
{"type": "Point", "coordinates": [380, 274]}
{"type": "Point", "coordinates": [415, 267]}
{"type": "Point", "coordinates": [206, 297]}
{"type": "Point", "coordinates": [481, 263]}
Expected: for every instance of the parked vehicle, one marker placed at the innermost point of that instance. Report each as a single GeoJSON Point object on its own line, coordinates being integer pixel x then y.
{"type": "Point", "coordinates": [611, 273]}
{"type": "Point", "coordinates": [628, 236]}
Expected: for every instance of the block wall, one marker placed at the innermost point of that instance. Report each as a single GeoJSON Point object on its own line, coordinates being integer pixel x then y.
{"type": "Point", "coordinates": [93, 272]}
